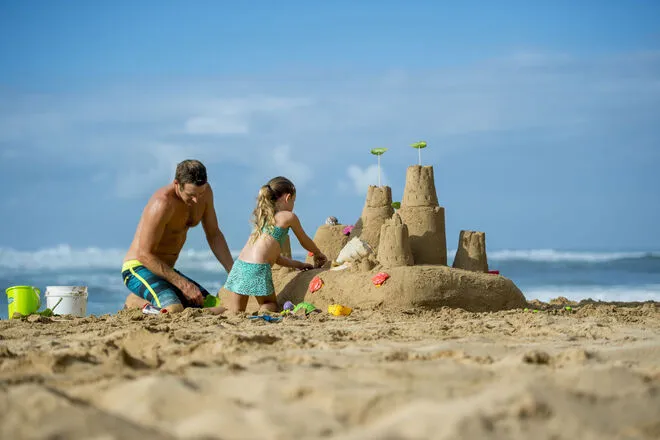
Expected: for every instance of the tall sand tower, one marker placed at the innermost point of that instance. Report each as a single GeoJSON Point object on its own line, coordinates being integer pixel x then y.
{"type": "Point", "coordinates": [424, 217]}
{"type": "Point", "coordinates": [377, 209]}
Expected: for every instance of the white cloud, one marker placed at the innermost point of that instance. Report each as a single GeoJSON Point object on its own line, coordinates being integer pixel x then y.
{"type": "Point", "coordinates": [362, 178]}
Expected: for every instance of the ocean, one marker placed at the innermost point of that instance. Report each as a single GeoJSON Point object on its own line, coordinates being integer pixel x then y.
{"type": "Point", "coordinates": [540, 274]}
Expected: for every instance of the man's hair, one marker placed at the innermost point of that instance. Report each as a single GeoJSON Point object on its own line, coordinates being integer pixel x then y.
{"type": "Point", "coordinates": [190, 171]}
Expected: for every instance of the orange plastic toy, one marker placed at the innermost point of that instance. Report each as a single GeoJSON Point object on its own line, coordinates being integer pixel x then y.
{"type": "Point", "coordinates": [315, 284]}
{"type": "Point", "coordinates": [379, 278]}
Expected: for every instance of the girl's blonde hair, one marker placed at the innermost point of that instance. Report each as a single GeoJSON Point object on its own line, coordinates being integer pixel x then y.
{"type": "Point", "coordinates": [263, 215]}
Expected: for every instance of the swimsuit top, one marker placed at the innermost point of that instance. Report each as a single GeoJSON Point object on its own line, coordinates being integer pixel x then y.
{"type": "Point", "coordinates": [276, 232]}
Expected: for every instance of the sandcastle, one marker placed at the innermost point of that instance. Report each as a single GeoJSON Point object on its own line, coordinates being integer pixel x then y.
{"type": "Point", "coordinates": [410, 246]}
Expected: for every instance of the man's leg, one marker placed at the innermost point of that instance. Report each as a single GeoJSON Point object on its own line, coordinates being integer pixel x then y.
{"type": "Point", "coordinates": [150, 288]}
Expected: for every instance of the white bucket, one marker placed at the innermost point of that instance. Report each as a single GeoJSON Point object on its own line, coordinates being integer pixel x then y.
{"type": "Point", "coordinates": [73, 300]}
{"type": "Point", "coordinates": [354, 250]}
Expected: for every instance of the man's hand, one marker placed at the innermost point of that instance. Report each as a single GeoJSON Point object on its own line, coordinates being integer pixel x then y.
{"type": "Point", "coordinates": [193, 293]}
{"type": "Point", "coordinates": [320, 260]}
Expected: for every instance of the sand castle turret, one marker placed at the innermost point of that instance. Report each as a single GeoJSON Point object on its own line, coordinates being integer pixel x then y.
{"type": "Point", "coordinates": [330, 239]}
{"type": "Point", "coordinates": [377, 209]}
{"type": "Point", "coordinates": [424, 217]}
{"type": "Point", "coordinates": [471, 252]}
{"type": "Point", "coordinates": [394, 247]}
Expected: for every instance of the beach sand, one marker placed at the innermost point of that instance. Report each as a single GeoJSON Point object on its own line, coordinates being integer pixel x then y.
{"type": "Point", "coordinates": [591, 373]}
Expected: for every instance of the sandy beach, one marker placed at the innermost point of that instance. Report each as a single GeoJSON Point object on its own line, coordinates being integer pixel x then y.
{"type": "Point", "coordinates": [592, 372]}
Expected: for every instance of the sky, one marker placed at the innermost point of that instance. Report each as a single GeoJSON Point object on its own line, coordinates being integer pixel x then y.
{"type": "Point", "coordinates": [542, 118]}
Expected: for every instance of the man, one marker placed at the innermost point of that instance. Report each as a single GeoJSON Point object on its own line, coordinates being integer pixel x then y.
{"type": "Point", "coordinates": [148, 270]}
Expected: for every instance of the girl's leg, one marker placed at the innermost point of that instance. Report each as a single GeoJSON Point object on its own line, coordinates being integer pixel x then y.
{"type": "Point", "coordinates": [268, 303]}
{"type": "Point", "coordinates": [236, 303]}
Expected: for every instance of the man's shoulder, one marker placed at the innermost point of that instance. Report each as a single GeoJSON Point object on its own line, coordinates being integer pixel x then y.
{"type": "Point", "coordinates": [163, 199]}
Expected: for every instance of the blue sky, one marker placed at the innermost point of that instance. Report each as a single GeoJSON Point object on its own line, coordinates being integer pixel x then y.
{"type": "Point", "coordinates": [542, 118]}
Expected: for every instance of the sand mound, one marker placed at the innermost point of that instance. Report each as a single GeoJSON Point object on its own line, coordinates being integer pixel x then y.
{"type": "Point", "coordinates": [407, 287]}
{"type": "Point", "coordinates": [330, 239]}
{"type": "Point", "coordinates": [424, 218]}
{"type": "Point", "coordinates": [377, 209]}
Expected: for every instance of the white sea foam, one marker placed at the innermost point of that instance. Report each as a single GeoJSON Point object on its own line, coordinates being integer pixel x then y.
{"type": "Point", "coordinates": [648, 292]}
{"type": "Point", "coordinates": [551, 255]}
{"type": "Point", "coordinates": [64, 257]}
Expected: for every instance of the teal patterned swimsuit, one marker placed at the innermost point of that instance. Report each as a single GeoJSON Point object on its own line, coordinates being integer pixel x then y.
{"type": "Point", "coordinates": [255, 279]}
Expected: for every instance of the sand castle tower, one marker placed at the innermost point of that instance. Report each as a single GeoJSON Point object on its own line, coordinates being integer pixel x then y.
{"type": "Point", "coordinates": [394, 247]}
{"type": "Point", "coordinates": [471, 252]}
{"type": "Point", "coordinates": [424, 217]}
{"type": "Point", "coordinates": [330, 239]}
{"type": "Point", "coordinates": [377, 209]}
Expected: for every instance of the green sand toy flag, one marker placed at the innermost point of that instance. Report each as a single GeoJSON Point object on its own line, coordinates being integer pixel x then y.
{"type": "Point", "coordinates": [378, 152]}
{"type": "Point", "coordinates": [419, 145]}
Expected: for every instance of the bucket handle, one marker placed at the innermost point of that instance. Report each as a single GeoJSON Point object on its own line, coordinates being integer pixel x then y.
{"type": "Point", "coordinates": [37, 293]}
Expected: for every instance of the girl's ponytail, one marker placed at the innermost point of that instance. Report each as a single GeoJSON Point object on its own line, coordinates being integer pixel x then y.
{"type": "Point", "coordinates": [263, 215]}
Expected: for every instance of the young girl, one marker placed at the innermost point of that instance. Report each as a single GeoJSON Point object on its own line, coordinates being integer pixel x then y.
{"type": "Point", "coordinates": [251, 274]}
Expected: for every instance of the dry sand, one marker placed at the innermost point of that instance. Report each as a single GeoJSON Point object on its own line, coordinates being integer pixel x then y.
{"type": "Point", "coordinates": [589, 373]}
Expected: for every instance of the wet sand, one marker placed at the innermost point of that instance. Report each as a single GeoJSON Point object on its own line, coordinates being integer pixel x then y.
{"type": "Point", "coordinates": [592, 372]}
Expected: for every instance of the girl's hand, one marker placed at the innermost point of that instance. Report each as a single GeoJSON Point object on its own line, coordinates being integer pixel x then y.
{"type": "Point", "coordinates": [305, 266]}
{"type": "Point", "coordinates": [320, 260]}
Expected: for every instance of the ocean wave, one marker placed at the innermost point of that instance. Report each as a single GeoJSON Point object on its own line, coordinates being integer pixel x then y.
{"type": "Point", "coordinates": [648, 292]}
{"type": "Point", "coordinates": [64, 257]}
{"type": "Point", "coordinates": [556, 256]}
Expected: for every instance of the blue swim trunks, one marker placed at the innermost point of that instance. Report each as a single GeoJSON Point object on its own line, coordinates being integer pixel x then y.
{"type": "Point", "coordinates": [255, 279]}
{"type": "Point", "coordinates": [158, 291]}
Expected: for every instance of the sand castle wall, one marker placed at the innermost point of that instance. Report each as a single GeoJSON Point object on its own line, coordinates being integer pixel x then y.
{"type": "Point", "coordinates": [471, 252]}
{"type": "Point", "coordinates": [377, 209]}
{"type": "Point", "coordinates": [424, 217]}
{"type": "Point", "coordinates": [394, 247]}
{"type": "Point", "coordinates": [330, 239]}
{"type": "Point", "coordinates": [429, 287]}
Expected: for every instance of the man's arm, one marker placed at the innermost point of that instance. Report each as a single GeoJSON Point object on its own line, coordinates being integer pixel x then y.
{"type": "Point", "coordinates": [156, 216]}
{"type": "Point", "coordinates": [214, 236]}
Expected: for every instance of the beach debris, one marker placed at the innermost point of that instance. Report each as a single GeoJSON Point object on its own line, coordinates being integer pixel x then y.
{"type": "Point", "coordinates": [347, 230]}
{"type": "Point", "coordinates": [379, 278]}
{"type": "Point", "coordinates": [339, 310]}
{"type": "Point", "coordinates": [396, 205]}
{"type": "Point", "coordinates": [494, 272]}
{"type": "Point", "coordinates": [266, 318]}
{"type": "Point", "coordinates": [150, 309]}
{"type": "Point", "coordinates": [306, 307]}
{"type": "Point", "coordinates": [315, 284]}
{"type": "Point", "coordinates": [378, 152]}
{"type": "Point", "coordinates": [288, 306]}
{"type": "Point", "coordinates": [419, 145]}
{"type": "Point", "coordinates": [332, 221]}
{"type": "Point", "coordinates": [569, 308]}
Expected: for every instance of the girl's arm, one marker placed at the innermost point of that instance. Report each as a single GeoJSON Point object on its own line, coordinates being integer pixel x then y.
{"type": "Point", "coordinates": [288, 262]}
{"type": "Point", "coordinates": [302, 237]}
{"type": "Point", "coordinates": [306, 242]}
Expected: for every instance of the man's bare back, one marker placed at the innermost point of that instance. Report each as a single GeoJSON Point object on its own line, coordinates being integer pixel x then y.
{"type": "Point", "coordinates": [148, 269]}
